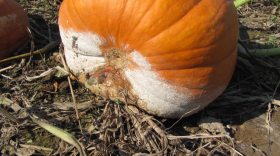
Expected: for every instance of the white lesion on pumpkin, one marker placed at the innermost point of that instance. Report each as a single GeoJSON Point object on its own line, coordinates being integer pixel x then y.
{"type": "Point", "coordinates": [112, 74]}
{"type": "Point", "coordinates": [140, 60]}
{"type": "Point", "coordinates": [82, 51]}
{"type": "Point", "coordinates": [88, 43]}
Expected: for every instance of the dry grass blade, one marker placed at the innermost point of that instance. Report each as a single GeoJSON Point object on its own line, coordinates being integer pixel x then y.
{"type": "Point", "coordinates": [37, 148]}
{"type": "Point", "coordinates": [9, 103]}
{"type": "Point", "coordinates": [71, 105]}
{"type": "Point", "coordinates": [62, 134]}
{"type": "Point", "coordinates": [275, 102]}
{"type": "Point", "coordinates": [181, 118]}
{"type": "Point", "coordinates": [115, 128]}
{"type": "Point", "coordinates": [48, 72]}
{"type": "Point", "coordinates": [71, 88]}
{"type": "Point", "coordinates": [199, 136]}
{"type": "Point", "coordinates": [142, 133]}
{"type": "Point", "coordinates": [7, 68]}
{"type": "Point", "coordinates": [9, 116]}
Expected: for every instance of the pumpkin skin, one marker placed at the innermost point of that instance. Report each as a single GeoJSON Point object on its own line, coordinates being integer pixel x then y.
{"type": "Point", "coordinates": [171, 57]}
{"type": "Point", "coordinates": [13, 27]}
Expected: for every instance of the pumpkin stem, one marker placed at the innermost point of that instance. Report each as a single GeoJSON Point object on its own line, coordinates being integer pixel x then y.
{"type": "Point", "coordinates": [238, 3]}
{"type": "Point", "coordinates": [261, 52]}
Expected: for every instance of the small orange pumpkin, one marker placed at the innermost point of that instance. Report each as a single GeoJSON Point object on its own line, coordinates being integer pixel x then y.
{"type": "Point", "coordinates": [13, 27]}
{"type": "Point", "coordinates": [167, 57]}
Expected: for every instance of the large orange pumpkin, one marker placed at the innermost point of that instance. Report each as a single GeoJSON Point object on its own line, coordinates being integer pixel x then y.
{"type": "Point", "coordinates": [13, 27]}
{"type": "Point", "coordinates": [168, 56]}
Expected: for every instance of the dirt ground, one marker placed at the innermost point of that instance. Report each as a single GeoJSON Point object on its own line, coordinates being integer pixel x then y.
{"type": "Point", "coordinates": [244, 120]}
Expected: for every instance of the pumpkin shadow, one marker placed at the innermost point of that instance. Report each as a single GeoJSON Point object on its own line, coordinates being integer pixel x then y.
{"type": "Point", "coordinates": [42, 31]}
{"type": "Point", "coordinates": [232, 107]}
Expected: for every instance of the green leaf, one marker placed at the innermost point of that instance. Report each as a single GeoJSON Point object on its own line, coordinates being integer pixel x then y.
{"type": "Point", "coordinates": [238, 3]}
{"type": "Point", "coordinates": [117, 101]}
{"type": "Point", "coordinates": [272, 38]}
{"type": "Point", "coordinates": [59, 74]}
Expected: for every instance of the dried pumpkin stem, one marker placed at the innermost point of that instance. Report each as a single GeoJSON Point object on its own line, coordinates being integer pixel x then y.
{"type": "Point", "coordinates": [265, 52]}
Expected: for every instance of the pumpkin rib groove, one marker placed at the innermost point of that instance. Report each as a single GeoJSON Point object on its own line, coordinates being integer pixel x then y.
{"type": "Point", "coordinates": [174, 23]}
{"type": "Point", "coordinates": [169, 77]}
{"type": "Point", "coordinates": [110, 38]}
{"type": "Point", "coordinates": [157, 66]}
{"type": "Point", "coordinates": [185, 50]}
{"type": "Point", "coordinates": [118, 37]}
{"type": "Point", "coordinates": [169, 8]}
{"type": "Point", "coordinates": [197, 88]}
{"type": "Point", "coordinates": [166, 28]}
{"type": "Point", "coordinates": [76, 14]}
{"type": "Point", "coordinates": [216, 13]}
{"type": "Point", "coordinates": [176, 55]}
{"type": "Point", "coordinates": [71, 15]}
{"type": "Point", "coordinates": [174, 52]}
{"type": "Point", "coordinates": [146, 12]}
{"type": "Point", "coordinates": [154, 38]}
{"type": "Point", "coordinates": [107, 23]}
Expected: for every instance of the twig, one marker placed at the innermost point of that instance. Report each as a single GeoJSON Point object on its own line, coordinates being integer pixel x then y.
{"type": "Point", "coordinates": [58, 68]}
{"type": "Point", "coordinates": [255, 148]}
{"type": "Point", "coordinates": [32, 46]}
{"type": "Point", "coordinates": [215, 149]}
{"type": "Point", "coordinates": [199, 148]}
{"type": "Point", "coordinates": [181, 118]}
{"type": "Point", "coordinates": [268, 118]}
{"type": "Point", "coordinates": [232, 149]}
{"type": "Point", "coordinates": [9, 103]}
{"type": "Point", "coordinates": [7, 68]}
{"type": "Point", "coordinates": [50, 34]}
{"type": "Point", "coordinates": [7, 77]}
{"type": "Point", "coordinates": [275, 102]}
{"type": "Point", "coordinates": [196, 136]}
{"type": "Point", "coordinates": [9, 116]}
{"type": "Point", "coordinates": [71, 88]}
{"type": "Point", "coordinates": [33, 29]}
{"type": "Point", "coordinates": [43, 50]}
{"type": "Point", "coordinates": [269, 111]}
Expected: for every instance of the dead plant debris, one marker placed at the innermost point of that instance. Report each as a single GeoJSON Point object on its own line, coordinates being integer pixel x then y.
{"type": "Point", "coordinates": [37, 91]}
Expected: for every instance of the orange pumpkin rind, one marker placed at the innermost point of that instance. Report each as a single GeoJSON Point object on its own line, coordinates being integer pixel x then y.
{"type": "Point", "coordinates": [167, 57]}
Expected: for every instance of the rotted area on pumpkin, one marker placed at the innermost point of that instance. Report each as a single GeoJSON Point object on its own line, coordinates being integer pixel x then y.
{"type": "Point", "coordinates": [117, 59]}
{"type": "Point", "coordinates": [110, 81]}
